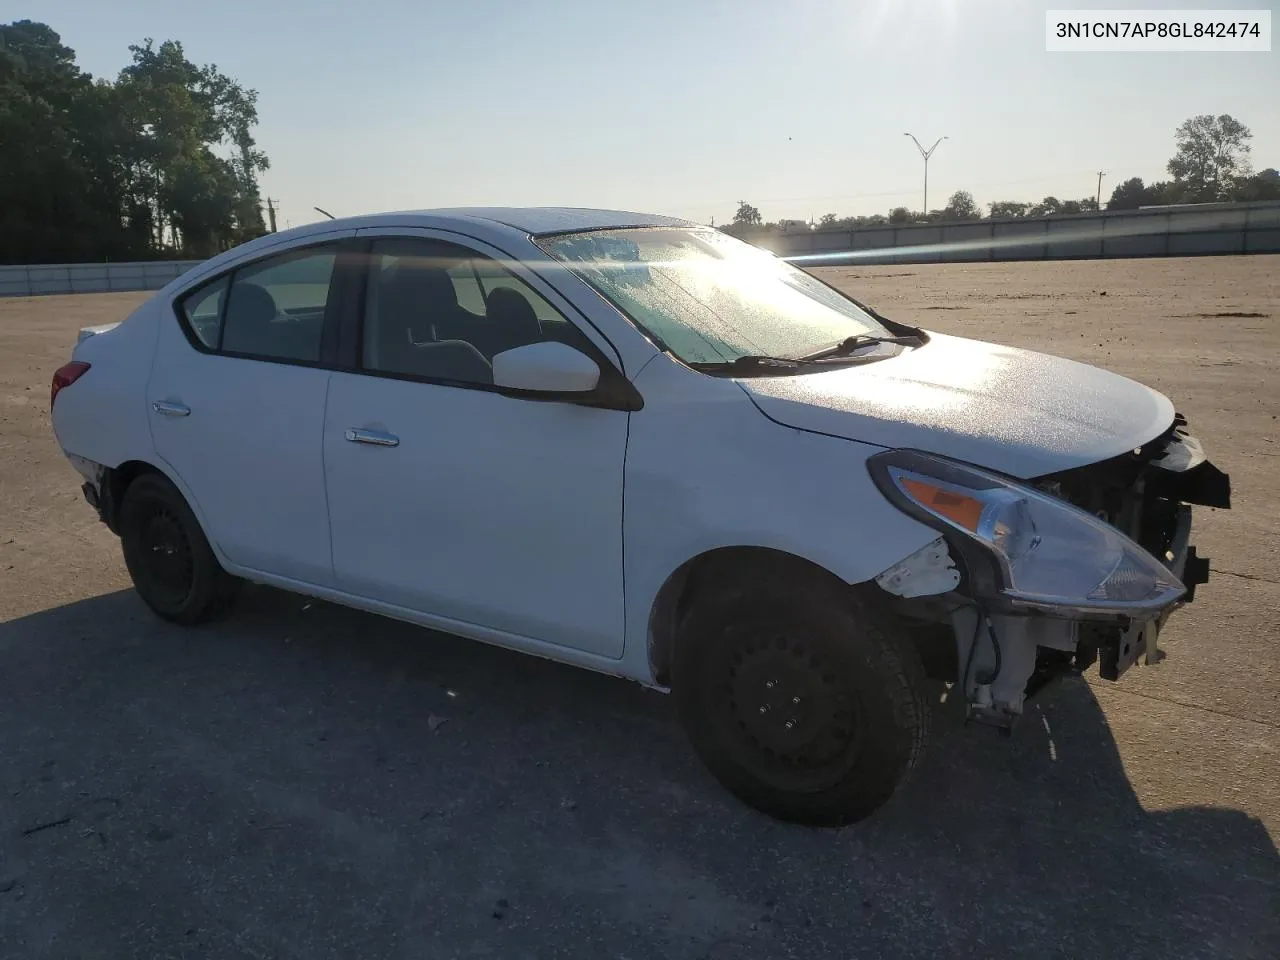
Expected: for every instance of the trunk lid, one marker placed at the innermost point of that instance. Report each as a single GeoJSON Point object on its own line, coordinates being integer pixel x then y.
{"type": "Point", "coordinates": [87, 332]}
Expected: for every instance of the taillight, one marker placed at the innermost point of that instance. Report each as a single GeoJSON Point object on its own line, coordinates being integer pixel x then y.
{"type": "Point", "coordinates": [65, 376]}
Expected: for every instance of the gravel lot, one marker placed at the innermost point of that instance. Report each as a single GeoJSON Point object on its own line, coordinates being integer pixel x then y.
{"type": "Point", "coordinates": [307, 781]}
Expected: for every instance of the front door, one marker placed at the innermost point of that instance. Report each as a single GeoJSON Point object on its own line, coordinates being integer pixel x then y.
{"type": "Point", "coordinates": [236, 404]}
{"type": "Point", "coordinates": [451, 499]}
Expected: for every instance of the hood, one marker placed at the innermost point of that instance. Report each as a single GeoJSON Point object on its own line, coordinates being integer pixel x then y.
{"type": "Point", "coordinates": [1022, 413]}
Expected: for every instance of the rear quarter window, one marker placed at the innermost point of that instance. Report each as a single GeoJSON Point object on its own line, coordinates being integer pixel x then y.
{"type": "Point", "coordinates": [202, 310]}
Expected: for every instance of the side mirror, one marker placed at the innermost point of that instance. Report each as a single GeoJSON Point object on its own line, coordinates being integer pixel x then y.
{"type": "Point", "coordinates": [549, 367]}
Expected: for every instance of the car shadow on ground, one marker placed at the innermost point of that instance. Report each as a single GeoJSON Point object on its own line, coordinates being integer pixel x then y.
{"type": "Point", "coordinates": [303, 780]}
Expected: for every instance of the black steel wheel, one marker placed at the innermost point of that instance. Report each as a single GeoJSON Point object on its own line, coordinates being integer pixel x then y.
{"type": "Point", "coordinates": [170, 561]}
{"type": "Point", "coordinates": [793, 716]}
{"type": "Point", "coordinates": [165, 554]}
{"type": "Point", "coordinates": [800, 699]}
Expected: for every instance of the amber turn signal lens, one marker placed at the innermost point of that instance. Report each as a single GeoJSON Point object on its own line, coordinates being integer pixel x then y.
{"type": "Point", "coordinates": [956, 507]}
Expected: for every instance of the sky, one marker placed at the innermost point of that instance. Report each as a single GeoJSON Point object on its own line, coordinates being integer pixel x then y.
{"type": "Point", "coordinates": [683, 107]}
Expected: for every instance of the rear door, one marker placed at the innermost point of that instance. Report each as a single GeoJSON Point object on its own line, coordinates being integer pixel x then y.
{"type": "Point", "coordinates": [450, 498]}
{"type": "Point", "coordinates": [236, 405]}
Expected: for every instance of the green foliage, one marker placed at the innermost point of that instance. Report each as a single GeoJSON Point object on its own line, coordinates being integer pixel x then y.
{"type": "Point", "coordinates": [1008, 208]}
{"type": "Point", "coordinates": [1264, 185]}
{"type": "Point", "coordinates": [1212, 156]}
{"type": "Point", "coordinates": [961, 207]}
{"type": "Point", "coordinates": [161, 162]}
{"type": "Point", "coordinates": [1130, 195]}
{"type": "Point", "coordinates": [747, 215]}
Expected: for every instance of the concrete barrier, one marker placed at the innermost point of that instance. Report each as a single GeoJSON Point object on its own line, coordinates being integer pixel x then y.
{"type": "Point", "coordinates": [45, 278]}
{"type": "Point", "coordinates": [1200, 230]}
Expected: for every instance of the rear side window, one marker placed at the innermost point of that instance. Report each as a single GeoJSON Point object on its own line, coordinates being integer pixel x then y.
{"type": "Point", "coordinates": [273, 309]}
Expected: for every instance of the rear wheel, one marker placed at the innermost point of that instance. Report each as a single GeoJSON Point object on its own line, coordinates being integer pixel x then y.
{"type": "Point", "coordinates": [800, 699]}
{"type": "Point", "coordinates": [170, 561]}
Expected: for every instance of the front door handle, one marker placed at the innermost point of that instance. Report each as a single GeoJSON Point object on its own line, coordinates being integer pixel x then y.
{"type": "Point", "coordinates": [167, 408]}
{"type": "Point", "coordinates": [376, 437]}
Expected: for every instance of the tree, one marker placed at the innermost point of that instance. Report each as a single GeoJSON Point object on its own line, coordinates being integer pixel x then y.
{"type": "Point", "coordinates": [961, 207]}
{"type": "Point", "coordinates": [51, 208]}
{"type": "Point", "coordinates": [1130, 195]}
{"type": "Point", "coordinates": [900, 215]}
{"type": "Point", "coordinates": [747, 215]}
{"type": "Point", "coordinates": [1212, 155]}
{"type": "Point", "coordinates": [828, 220]}
{"type": "Point", "coordinates": [1261, 186]}
{"type": "Point", "coordinates": [1008, 208]}
{"type": "Point", "coordinates": [181, 111]}
{"type": "Point", "coordinates": [1045, 208]}
{"type": "Point", "coordinates": [97, 170]}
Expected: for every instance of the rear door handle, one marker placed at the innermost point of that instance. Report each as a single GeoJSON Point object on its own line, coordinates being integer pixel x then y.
{"type": "Point", "coordinates": [376, 437]}
{"type": "Point", "coordinates": [167, 408]}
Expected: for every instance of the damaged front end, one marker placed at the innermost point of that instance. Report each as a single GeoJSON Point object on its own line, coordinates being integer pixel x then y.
{"type": "Point", "coordinates": [1031, 580]}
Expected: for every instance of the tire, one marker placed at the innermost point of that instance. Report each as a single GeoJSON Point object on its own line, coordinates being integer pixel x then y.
{"type": "Point", "coordinates": [169, 559]}
{"type": "Point", "coordinates": [753, 657]}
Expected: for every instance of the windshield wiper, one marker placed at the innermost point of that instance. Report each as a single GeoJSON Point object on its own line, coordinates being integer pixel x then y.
{"type": "Point", "coordinates": [831, 356]}
{"type": "Point", "coordinates": [850, 344]}
{"type": "Point", "coordinates": [753, 363]}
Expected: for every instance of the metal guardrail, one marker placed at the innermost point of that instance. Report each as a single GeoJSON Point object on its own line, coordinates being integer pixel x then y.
{"type": "Point", "coordinates": [46, 278]}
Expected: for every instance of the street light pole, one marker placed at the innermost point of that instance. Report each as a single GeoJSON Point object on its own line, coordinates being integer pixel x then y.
{"type": "Point", "coordinates": [926, 154]}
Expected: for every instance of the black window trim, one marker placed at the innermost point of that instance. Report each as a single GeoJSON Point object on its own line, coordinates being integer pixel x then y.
{"type": "Point", "coordinates": [329, 326]}
{"type": "Point", "coordinates": [613, 392]}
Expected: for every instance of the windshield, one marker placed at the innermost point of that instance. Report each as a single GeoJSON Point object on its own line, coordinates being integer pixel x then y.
{"type": "Point", "coordinates": [709, 297]}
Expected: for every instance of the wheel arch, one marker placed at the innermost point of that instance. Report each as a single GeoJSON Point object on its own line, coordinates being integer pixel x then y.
{"type": "Point", "coordinates": [719, 564]}
{"type": "Point", "coordinates": [116, 480]}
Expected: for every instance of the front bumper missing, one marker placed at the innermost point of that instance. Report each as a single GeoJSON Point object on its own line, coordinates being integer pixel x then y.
{"type": "Point", "coordinates": [1001, 653]}
{"type": "Point", "coordinates": [1013, 656]}
{"type": "Point", "coordinates": [1137, 640]}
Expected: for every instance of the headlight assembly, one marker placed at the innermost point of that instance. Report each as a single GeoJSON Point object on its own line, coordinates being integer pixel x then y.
{"type": "Point", "coordinates": [1025, 547]}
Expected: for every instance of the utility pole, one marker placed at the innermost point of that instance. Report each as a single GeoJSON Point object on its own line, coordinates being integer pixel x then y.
{"type": "Point", "coordinates": [926, 154]}
{"type": "Point", "coordinates": [1101, 174]}
{"type": "Point", "coordinates": [271, 215]}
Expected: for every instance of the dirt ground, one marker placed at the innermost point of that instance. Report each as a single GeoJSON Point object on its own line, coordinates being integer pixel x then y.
{"type": "Point", "coordinates": [282, 784]}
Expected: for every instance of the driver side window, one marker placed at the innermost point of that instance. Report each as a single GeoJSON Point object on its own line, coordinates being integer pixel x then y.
{"type": "Point", "coordinates": [439, 311]}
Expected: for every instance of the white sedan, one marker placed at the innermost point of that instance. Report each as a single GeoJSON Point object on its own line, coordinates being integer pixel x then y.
{"type": "Point", "coordinates": [638, 445]}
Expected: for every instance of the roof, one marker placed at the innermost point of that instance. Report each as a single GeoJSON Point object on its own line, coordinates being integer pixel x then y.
{"type": "Point", "coordinates": [525, 220]}
{"type": "Point", "coordinates": [538, 220]}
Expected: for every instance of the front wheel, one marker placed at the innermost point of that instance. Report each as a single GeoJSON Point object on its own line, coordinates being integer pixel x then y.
{"type": "Point", "coordinates": [170, 561]}
{"type": "Point", "coordinates": [800, 699]}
